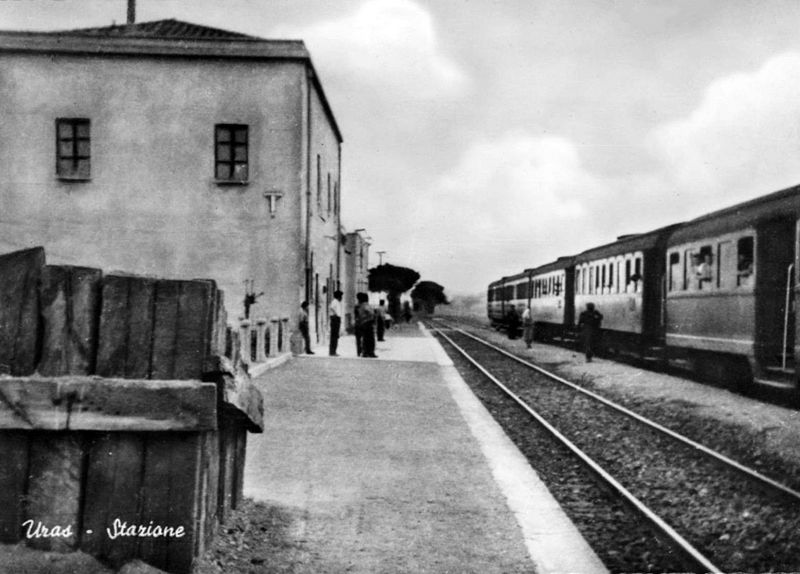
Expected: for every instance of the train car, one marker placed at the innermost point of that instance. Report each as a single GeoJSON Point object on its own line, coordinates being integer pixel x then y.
{"type": "Point", "coordinates": [624, 280]}
{"type": "Point", "coordinates": [732, 281]}
{"type": "Point", "coordinates": [505, 293]}
{"type": "Point", "coordinates": [550, 296]}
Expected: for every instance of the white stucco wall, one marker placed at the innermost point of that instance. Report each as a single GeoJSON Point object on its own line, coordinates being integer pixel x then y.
{"type": "Point", "coordinates": [152, 205]}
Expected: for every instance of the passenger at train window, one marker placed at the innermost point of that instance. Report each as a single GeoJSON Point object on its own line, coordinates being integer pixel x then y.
{"type": "Point", "coordinates": [704, 269]}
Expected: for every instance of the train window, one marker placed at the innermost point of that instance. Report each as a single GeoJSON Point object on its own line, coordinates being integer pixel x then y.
{"type": "Point", "coordinates": [703, 262]}
{"type": "Point", "coordinates": [637, 273]}
{"type": "Point", "coordinates": [602, 279]}
{"type": "Point", "coordinates": [627, 275]}
{"type": "Point", "coordinates": [610, 277]}
{"type": "Point", "coordinates": [726, 256]}
{"type": "Point", "coordinates": [557, 287]}
{"type": "Point", "coordinates": [688, 268]}
{"type": "Point", "coordinates": [675, 272]}
{"type": "Point", "coordinates": [744, 261]}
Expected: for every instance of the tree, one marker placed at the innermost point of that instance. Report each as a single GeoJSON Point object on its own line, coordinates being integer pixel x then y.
{"type": "Point", "coordinates": [394, 281]}
{"type": "Point", "coordinates": [429, 294]}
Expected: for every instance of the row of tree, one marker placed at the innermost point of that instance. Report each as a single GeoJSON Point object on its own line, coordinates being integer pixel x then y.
{"type": "Point", "coordinates": [395, 281]}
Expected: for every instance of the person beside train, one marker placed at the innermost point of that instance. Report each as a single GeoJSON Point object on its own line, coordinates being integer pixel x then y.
{"type": "Point", "coordinates": [512, 322]}
{"type": "Point", "coordinates": [527, 326]}
{"type": "Point", "coordinates": [365, 323]}
{"type": "Point", "coordinates": [589, 323]}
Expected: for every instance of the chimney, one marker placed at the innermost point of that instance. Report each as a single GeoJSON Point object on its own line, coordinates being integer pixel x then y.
{"type": "Point", "coordinates": [131, 12]}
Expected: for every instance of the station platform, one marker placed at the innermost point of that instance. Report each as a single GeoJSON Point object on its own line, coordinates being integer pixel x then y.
{"type": "Point", "coordinates": [392, 465]}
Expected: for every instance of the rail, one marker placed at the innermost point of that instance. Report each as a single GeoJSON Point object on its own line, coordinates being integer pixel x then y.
{"type": "Point", "coordinates": [754, 474]}
{"type": "Point", "coordinates": [691, 557]}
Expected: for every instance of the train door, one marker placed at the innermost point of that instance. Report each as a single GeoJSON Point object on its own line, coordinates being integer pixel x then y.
{"type": "Point", "coordinates": [775, 313]}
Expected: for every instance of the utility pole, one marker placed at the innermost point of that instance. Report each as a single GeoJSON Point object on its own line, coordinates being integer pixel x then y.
{"type": "Point", "coordinates": [131, 12]}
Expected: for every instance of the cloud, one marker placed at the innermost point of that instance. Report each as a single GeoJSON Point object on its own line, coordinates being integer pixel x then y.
{"type": "Point", "coordinates": [388, 45]}
{"type": "Point", "coordinates": [522, 200]}
{"type": "Point", "coordinates": [743, 139]}
{"type": "Point", "coordinates": [514, 201]}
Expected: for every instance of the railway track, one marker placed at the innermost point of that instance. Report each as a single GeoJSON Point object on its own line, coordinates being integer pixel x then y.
{"type": "Point", "coordinates": [703, 511]}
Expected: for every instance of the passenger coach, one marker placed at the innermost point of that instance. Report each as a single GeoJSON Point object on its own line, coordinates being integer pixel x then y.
{"type": "Point", "coordinates": [550, 298]}
{"type": "Point", "coordinates": [624, 280]}
{"type": "Point", "coordinates": [506, 293]}
{"type": "Point", "coordinates": [716, 295]}
{"type": "Point", "coordinates": [732, 285]}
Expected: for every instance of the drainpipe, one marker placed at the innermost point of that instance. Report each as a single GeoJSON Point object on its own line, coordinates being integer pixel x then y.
{"type": "Point", "coordinates": [338, 200]}
{"type": "Point", "coordinates": [308, 186]}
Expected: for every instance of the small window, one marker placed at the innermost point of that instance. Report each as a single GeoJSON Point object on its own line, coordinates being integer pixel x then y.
{"type": "Point", "coordinates": [335, 198]}
{"type": "Point", "coordinates": [329, 194]}
{"type": "Point", "coordinates": [319, 183]}
{"type": "Point", "coordinates": [744, 261]}
{"type": "Point", "coordinates": [73, 148]}
{"type": "Point", "coordinates": [231, 153]}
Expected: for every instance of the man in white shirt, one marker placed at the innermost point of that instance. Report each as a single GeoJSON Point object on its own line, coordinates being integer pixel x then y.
{"type": "Point", "coordinates": [336, 322]}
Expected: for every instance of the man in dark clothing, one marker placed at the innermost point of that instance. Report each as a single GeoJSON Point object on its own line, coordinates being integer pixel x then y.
{"type": "Point", "coordinates": [365, 326]}
{"type": "Point", "coordinates": [303, 323]}
{"type": "Point", "coordinates": [589, 324]}
{"type": "Point", "coordinates": [512, 322]}
{"type": "Point", "coordinates": [336, 322]}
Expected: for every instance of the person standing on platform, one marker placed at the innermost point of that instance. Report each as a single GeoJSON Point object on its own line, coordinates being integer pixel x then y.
{"type": "Point", "coordinates": [303, 323]}
{"type": "Point", "coordinates": [407, 311]}
{"type": "Point", "coordinates": [365, 323]}
{"type": "Point", "coordinates": [380, 320]}
{"type": "Point", "coordinates": [589, 324]}
{"type": "Point", "coordinates": [336, 322]}
{"type": "Point", "coordinates": [356, 327]}
{"type": "Point", "coordinates": [527, 326]}
{"type": "Point", "coordinates": [512, 322]}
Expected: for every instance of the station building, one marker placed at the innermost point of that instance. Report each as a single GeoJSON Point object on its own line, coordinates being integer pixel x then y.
{"type": "Point", "coordinates": [172, 149]}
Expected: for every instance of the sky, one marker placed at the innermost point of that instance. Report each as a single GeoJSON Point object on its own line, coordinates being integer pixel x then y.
{"type": "Point", "coordinates": [483, 137]}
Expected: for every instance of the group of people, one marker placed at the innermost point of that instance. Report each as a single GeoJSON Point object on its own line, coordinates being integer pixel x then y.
{"type": "Point", "coordinates": [367, 322]}
{"type": "Point", "coordinates": [589, 323]}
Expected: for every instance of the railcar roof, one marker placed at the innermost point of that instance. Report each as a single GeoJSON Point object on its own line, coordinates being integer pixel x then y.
{"type": "Point", "coordinates": [557, 265]}
{"type": "Point", "coordinates": [628, 243]}
{"type": "Point", "coordinates": [783, 203]}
